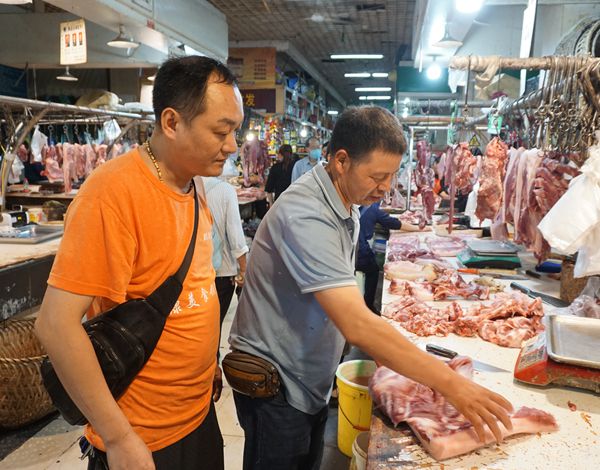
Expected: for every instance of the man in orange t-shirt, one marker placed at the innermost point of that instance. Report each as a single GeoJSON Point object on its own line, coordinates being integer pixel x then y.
{"type": "Point", "coordinates": [126, 231]}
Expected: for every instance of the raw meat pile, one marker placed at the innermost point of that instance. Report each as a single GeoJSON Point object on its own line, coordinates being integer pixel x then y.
{"type": "Point", "coordinates": [508, 321]}
{"type": "Point", "coordinates": [489, 197]}
{"type": "Point", "coordinates": [445, 246]}
{"type": "Point", "coordinates": [415, 218]}
{"type": "Point", "coordinates": [250, 194]}
{"type": "Point", "coordinates": [255, 160]}
{"type": "Point", "coordinates": [448, 283]}
{"type": "Point", "coordinates": [424, 179]}
{"type": "Point", "coordinates": [70, 163]}
{"type": "Point", "coordinates": [407, 248]}
{"type": "Point", "coordinates": [442, 430]}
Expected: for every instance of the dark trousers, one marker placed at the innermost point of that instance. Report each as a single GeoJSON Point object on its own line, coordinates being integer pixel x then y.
{"type": "Point", "coordinates": [371, 271]}
{"type": "Point", "coordinates": [278, 436]}
{"type": "Point", "coordinates": [225, 288]}
{"type": "Point", "coordinates": [202, 449]}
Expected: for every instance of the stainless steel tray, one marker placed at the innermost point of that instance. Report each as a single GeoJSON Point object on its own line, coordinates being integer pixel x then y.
{"type": "Point", "coordinates": [574, 340]}
{"type": "Point", "coordinates": [31, 234]}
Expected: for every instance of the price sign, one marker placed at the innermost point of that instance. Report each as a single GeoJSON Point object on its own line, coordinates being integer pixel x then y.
{"type": "Point", "coordinates": [494, 124]}
{"type": "Point", "coordinates": [73, 43]}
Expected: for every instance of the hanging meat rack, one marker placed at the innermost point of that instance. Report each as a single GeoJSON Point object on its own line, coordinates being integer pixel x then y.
{"type": "Point", "coordinates": [563, 114]}
{"type": "Point", "coordinates": [21, 115]}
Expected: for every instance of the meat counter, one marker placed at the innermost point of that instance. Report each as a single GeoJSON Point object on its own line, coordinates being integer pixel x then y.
{"type": "Point", "coordinates": [575, 445]}
{"type": "Point", "coordinates": [24, 271]}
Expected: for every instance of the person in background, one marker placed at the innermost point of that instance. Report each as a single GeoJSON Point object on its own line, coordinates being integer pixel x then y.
{"type": "Point", "coordinates": [365, 259]}
{"type": "Point", "coordinates": [301, 303]}
{"type": "Point", "coordinates": [280, 176]}
{"type": "Point", "coordinates": [437, 181]}
{"type": "Point", "coordinates": [230, 261]}
{"type": "Point", "coordinates": [307, 163]}
{"type": "Point", "coordinates": [325, 152]}
{"type": "Point", "coordinates": [122, 244]}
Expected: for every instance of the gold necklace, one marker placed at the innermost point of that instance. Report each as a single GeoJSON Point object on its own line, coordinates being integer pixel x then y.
{"type": "Point", "coordinates": [153, 158]}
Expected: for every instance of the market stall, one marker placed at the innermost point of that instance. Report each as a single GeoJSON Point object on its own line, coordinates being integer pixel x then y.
{"type": "Point", "coordinates": [576, 411]}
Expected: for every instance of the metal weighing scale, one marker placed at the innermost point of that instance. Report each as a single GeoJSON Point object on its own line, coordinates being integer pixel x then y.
{"type": "Point", "coordinates": [563, 355]}
{"type": "Point", "coordinates": [490, 254]}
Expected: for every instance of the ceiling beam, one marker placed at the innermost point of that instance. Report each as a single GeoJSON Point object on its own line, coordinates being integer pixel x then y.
{"type": "Point", "coordinates": [299, 58]}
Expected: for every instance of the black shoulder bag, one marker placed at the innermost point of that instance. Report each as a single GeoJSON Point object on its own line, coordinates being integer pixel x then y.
{"type": "Point", "coordinates": [124, 337]}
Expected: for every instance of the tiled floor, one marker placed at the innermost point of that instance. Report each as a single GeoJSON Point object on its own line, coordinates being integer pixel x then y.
{"type": "Point", "coordinates": [55, 445]}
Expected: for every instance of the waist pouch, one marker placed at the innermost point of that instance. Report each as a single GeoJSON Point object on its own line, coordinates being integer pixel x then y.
{"type": "Point", "coordinates": [251, 375]}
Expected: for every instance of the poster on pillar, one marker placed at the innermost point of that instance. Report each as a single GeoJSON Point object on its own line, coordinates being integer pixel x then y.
{"type": "Point", "coordinates": [73, 42]}
{"type": "Point", "coordinates": [253, 66]}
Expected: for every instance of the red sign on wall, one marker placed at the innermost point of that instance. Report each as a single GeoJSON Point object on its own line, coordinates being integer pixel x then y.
{"type": "Point", "coordinates": [260, 99]}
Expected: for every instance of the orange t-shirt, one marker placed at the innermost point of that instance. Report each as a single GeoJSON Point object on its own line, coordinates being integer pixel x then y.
{"type": "Point", "coordinates": [125, 233]}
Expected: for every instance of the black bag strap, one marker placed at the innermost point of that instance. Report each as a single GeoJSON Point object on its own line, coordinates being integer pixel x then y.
{"type": "Point", "coordinates": [165, 296]}
{"type": "Point", "coordinates": [189, 254]}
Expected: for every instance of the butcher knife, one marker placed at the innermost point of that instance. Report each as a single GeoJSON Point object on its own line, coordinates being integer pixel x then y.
{"type": "Point", "coordinates": [496, 274]}
{"type": "Point", "coordinates": [545, 297]}
{"type": "Point", "coordinates": [448, 353]}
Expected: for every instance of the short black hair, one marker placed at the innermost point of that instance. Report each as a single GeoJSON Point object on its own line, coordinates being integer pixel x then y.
{"type": "Point", "coordinates": [312, 137]}
{"type": "Point", "coordinates": [181, 84]}
{"type": "Point", "coordinates": [362, 129]}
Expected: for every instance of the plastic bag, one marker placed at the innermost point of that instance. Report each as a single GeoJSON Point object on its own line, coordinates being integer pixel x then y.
{"type": "Point", "coordinates": [568, 230]}
{"type": "Point", "coordinates": [16, 173]}
{"type": "Point", "coordinates": [38, 140]}
{"type": "Point", "coordinates": [588, 302]}
{"type": "Point", "coordinates": [112, 130]}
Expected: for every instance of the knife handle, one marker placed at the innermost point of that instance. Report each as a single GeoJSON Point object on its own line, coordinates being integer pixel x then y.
{"type": "Point", "coordinates": [438, 350]}
{"type": "Point", "coordinates": [519, 287]}
{"type": "Point", "coordinates": [468, 270]}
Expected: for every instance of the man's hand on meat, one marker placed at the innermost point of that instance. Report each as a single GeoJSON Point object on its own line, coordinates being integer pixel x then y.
{"type": "Point", "coordinates": [479, 405]}
{"type": "Point", "coordinates": [407, 227]}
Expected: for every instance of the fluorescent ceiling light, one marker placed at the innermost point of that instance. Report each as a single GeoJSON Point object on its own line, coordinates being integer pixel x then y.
{"type": "Point", "coordinates": [433, 71]}
{"type": "Point", "coordinates": [374, 97]}
{"type": "Point", "coordinates": [356, 56]}
{"type": "Point", "coordinates": [380, 74]}
{"type": "Point", "coordinates": [333, 112]}
{"type": "Point", "coordinates": [67, 77]}
{"type": "Point", "coordinates": [15, 2]}
{"type": "Point", "coordinates": [373, 88]}
{"type": "Point", "coordinates": [123, 41]}
{"type": "Point", "coordinates": [468, 6]}
{"type": "Point", "coordinates": [357, 75]}
{"type": "Point", "coordinates": [406, 100]}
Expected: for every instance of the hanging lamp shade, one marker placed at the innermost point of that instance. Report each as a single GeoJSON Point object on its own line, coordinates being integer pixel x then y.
{"type": "Point", "coordinates": [123, 41]}
{"type": "Point", "coordinates": [447, 41]}
{"type": "Point", "coordinates": [67, 76]}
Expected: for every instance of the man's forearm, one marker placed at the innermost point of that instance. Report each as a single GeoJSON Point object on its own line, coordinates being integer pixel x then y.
{"type": "Point", "coordinates": [242, 263]}
{"type": "Point", "coordinates": [394, 350]}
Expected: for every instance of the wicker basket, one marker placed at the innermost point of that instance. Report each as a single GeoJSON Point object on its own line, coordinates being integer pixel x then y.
{"type": "Point", "coordinates": [570, 287]}
{"type": "Point", "coordinates": [23, 398]}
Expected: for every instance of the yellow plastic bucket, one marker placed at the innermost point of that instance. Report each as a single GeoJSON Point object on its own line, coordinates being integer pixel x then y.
{"type": "Point", "coordinates": [354, 402]}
